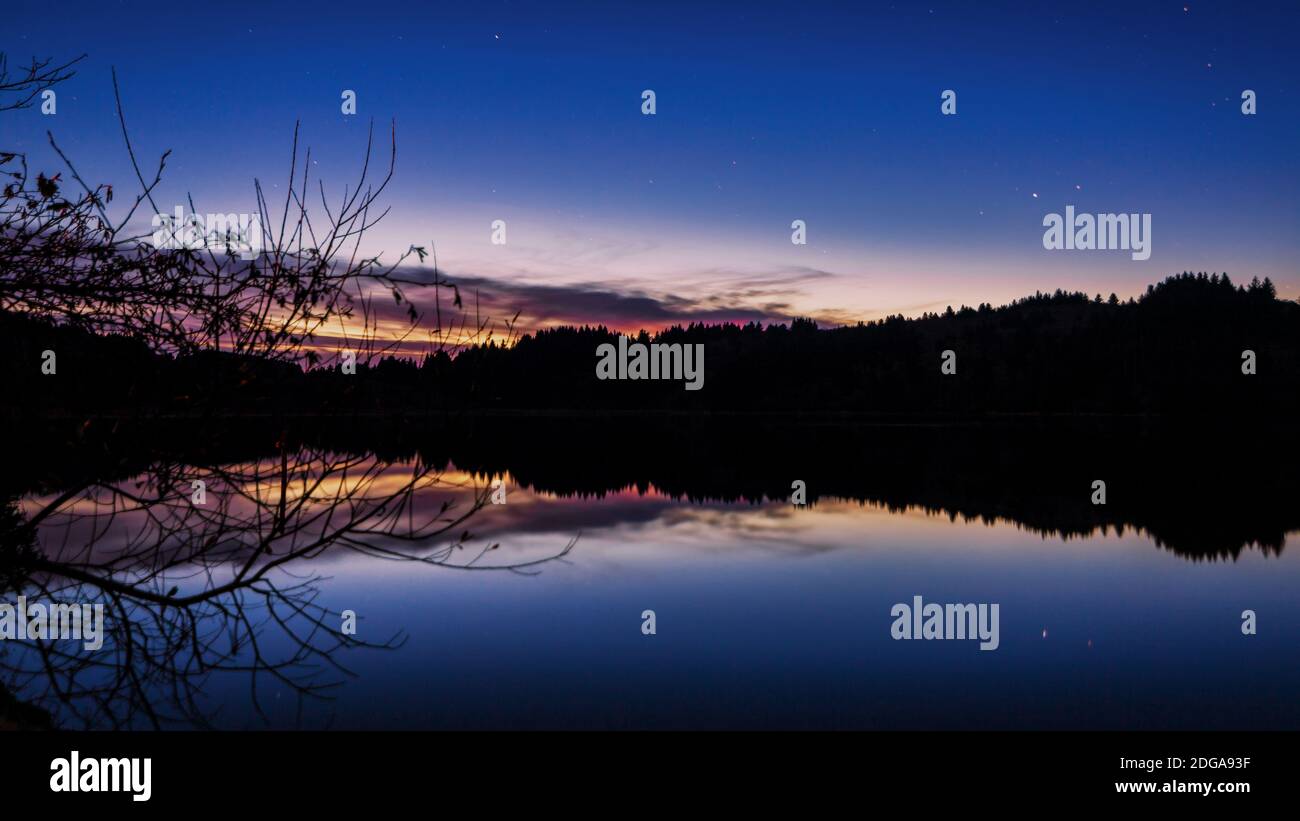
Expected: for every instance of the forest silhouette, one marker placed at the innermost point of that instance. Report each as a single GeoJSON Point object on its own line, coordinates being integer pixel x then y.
{"type": "Point", "coordinates": [1177, 349]}
{"type": "Point", "coordinates": [1201, 490]}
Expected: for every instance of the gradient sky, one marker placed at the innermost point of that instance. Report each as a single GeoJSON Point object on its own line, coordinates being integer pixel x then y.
{"type": "Point", "coordinates": [531, 113]}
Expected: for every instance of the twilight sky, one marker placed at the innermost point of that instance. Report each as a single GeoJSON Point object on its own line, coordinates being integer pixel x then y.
{"type": "Point", "coordinates": [531, 113]}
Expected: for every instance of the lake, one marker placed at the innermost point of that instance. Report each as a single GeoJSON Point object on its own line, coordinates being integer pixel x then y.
{"type": "Point", "coordinates": [531, 613]}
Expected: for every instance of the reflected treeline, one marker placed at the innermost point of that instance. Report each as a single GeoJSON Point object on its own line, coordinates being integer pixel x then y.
{"type": "Point", "coordinates": [198, 549]}
{"type": "Point", "coordinates": [104, 512]}
{"type": "Point", "coordinates": [1199, 489]}
{"type": "Point", "coordinates": [1201, 493]}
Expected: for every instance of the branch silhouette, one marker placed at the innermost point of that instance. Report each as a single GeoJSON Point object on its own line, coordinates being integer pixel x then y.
{"type": "Point", "coordinates": [191, 590]}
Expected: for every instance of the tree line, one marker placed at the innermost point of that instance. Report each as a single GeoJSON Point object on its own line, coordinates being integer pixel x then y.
{"type": "Point", "coordinates": [1185, 346]}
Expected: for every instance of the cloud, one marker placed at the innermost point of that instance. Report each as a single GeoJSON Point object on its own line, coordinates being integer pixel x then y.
{"type": "Point", "coordinates": [710, 296]}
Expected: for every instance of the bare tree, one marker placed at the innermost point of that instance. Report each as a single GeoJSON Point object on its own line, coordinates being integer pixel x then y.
{"type": "Point", "coordinates": [19, 90]}
{"type": "Point", "coordinates": [65, 258]}
{"type": "Point", "coordinates": [192, 590]}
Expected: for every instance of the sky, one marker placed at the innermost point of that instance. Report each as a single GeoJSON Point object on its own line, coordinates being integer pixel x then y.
{"type": "Point", "coordinates": [531, 113]}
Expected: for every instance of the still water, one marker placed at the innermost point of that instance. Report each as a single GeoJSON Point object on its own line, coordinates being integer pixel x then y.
{"type": "Point", "coordinates": [766, 614]}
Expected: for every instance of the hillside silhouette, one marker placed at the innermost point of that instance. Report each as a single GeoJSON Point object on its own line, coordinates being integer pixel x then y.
{"type": "Point", "coordinates": [1178, 349]}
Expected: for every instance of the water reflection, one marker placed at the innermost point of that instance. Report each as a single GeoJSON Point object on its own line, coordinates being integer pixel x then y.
{"type": "Point", "coordinates": [210, 569]}
{"type": "Point", "coordinates": [229, 612]}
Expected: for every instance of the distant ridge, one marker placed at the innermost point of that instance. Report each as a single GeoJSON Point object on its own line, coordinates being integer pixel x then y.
{"type": "Point", "coordinates": [1178, 349]}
